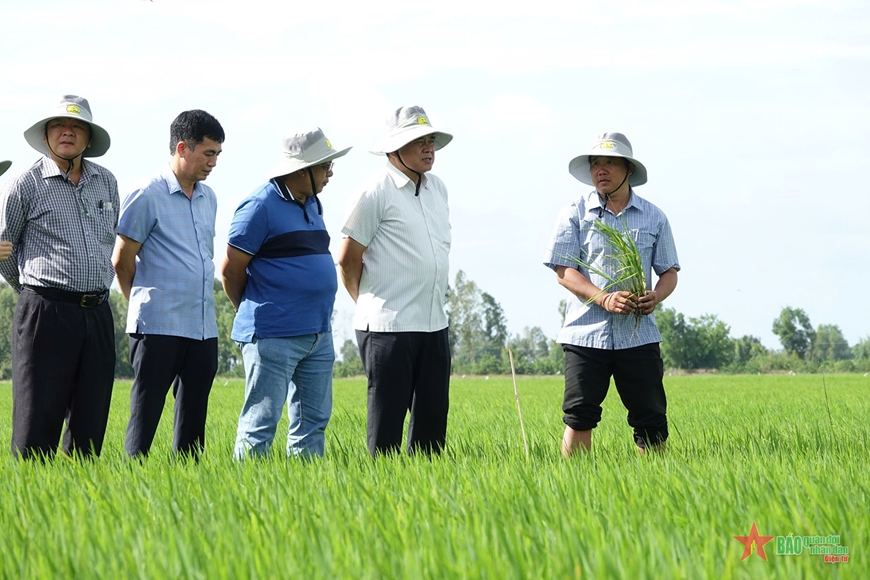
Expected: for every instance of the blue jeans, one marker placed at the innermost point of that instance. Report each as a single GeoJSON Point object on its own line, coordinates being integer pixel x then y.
{"type": "Point", "coordinates": [298, 370]}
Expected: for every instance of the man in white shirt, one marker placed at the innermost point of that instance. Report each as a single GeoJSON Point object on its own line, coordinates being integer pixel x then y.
{"type": "Point", "coordinates": [394, 264]}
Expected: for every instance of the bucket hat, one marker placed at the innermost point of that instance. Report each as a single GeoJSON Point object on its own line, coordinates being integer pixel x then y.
{"type": "Point", "coordinates": [72, 107]}
{"type": "Point", "coordinates": [4, 165]}
{"type": "Point", "coordinates": [607, 145]}
{"type": "Point", "coordinates": [405, 125]}
{"type": "Point", "coordinates": [305, 149]}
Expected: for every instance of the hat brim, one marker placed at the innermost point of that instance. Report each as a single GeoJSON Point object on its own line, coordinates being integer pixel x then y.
{"type": "Point", "coordinates": [100, 140]}
{"type": "Point", "coordinates": [579, 167]}
{"type": "Point", "coordinates": [4, 165]}
{"type": "Point", "coordinates": [287, 166]}
{"type": "Point", "coordinates": [396, 142]}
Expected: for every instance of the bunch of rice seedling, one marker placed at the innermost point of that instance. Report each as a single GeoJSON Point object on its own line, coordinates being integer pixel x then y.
{"type": "Point", "coordinates": [620, 264]}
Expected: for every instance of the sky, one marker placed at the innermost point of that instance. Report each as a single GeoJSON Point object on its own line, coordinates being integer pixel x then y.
{"type": "Point", "coordinates": [751, 117]}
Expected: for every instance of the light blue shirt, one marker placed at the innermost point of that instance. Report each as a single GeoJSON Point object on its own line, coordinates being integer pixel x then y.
{"type": "Point", "coordinates": [173, 288]}
{"type": "Point", "coordinates": [590, 325]}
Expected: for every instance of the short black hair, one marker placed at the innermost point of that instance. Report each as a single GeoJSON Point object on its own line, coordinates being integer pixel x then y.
{"type": "Point", "coordinates": [193, 127]}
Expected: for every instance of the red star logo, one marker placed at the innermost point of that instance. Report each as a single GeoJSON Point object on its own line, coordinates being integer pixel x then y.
{"type": "Point", "coordinates": [753, 542]}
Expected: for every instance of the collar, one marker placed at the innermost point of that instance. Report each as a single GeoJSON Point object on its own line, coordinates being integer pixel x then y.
{"type": "Point", "coordinates": [401, 180]}
{"type": "Point", "coordinates": [175, 186]}
{"type": "Point", "coordinates": [50, 169]}
{"type": "Point", "coordinates": [594, 201]}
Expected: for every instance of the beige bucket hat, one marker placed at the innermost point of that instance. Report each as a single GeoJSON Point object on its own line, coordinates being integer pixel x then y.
{"type": "Point", "coordinates": [305, 149]}
{"type": "Point", "coordinates": [607, 145]}
{"type": "Point", "coordinates": [73, 107]}
{"type": "Point", "coordinates": [405, 125]}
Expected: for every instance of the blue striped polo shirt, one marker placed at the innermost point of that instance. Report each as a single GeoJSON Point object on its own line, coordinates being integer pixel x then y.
{"type": "Point", "coordinates": [291, 277]}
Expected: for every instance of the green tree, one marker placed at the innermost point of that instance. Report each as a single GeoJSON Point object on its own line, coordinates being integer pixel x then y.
{"type": "Point", "coordinates": [477, 327]}
{"type": "Point", "coordinates": [8, 300]}
{"type": "Point", "coordinates": [696, 343]}
{"type": "Point", "coordinates": [350, 364]}
{"type": "Point", "coordinates": [495, 326]}
{"type": "Point", "coordinates": [118, 304]}
{"type": "Point", "coordinates": [861, 350]}
{"type": "Point", "coordinates": [746, 348]}
{"type": "Point", "coordinates": [676, 338]}
{"type": "Point", "coordinates": [829, 344]}
{"type": "Point", "coordinates": [794, 330]}
{"type": "Point", "coordinates": [229, 356]}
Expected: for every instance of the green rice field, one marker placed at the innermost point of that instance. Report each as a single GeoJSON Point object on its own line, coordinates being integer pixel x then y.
{"type": "Point", "coordinates": [743, 450]}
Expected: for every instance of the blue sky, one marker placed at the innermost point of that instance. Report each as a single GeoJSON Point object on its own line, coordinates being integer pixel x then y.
{"type": "Point", "coordinates": [751, 117]}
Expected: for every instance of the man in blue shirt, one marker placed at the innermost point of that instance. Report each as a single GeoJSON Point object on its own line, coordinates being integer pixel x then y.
{"type": "Point", "coordinates": [610, 332]}
{"type": "Point", "coordinates": [280, 277]}
{"type": "Point", "coordinates": [163, 261]}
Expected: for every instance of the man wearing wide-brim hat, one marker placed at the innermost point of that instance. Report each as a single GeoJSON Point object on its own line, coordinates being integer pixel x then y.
{"type": "Point", "coordinates": [61, 216]}
{"type": "Point", "coordinates": [609, 331]}
{"type": "Point", "coordinates": [394, 264]}
{"type": "Point", "coordinates": [280, 277]}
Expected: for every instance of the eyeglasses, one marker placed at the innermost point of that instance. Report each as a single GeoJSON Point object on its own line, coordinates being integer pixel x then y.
{"type": "Point", "coordinates": [422, 141]}
{"type": "Point", "coordinates": [327, 167]}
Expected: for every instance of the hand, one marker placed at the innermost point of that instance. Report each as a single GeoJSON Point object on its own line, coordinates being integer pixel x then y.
{"type": "Point", "coordinates": [646, 304]}
{"type": "Point", "coordinates": [620, 302]}
{"type": "Point", "coordinates": [5, 250]}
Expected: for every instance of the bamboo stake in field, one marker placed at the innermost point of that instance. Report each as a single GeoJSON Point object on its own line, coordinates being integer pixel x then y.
{"type": "Point", "coordinates": [519, 410]}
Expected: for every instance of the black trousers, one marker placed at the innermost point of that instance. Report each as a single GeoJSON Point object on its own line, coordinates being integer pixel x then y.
{"type": "Point", "coordinates": [186, 364]}
{"type": "Point", "coordinates": [637, 373]}
{"type": "Point", "coordinates": [406, 371]}
{"type": "Point", "coordinates": [63, 366]}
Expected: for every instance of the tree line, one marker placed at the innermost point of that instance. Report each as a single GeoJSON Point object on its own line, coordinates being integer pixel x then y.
{"type": "Point", "coordinates": [480, 341]}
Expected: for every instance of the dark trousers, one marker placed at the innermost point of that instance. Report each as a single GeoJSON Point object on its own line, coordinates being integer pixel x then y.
{"type": "Point", "coordinates": [406, 371]}
{"type": "Point", "coordinates": [189, 366]}
{"type": "Point", "coordinates": [637, 373]}
{"type": "Point", "coordinates": [63, 366]}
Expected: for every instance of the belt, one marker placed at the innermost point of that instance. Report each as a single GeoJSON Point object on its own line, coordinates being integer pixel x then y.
{"type": "Point", "coordinates": [83, 299]}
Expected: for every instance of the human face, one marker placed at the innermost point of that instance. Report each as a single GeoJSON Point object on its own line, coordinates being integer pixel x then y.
{"type": "Point", "coordinates": [322, 173]}
{"type": "Point", "coordinates": [609, 174]}
{"type": "Point", "coordinates": [198, 160]}
{"type": "Point", "coordinates": [419, 154]}
{"type": "Point", "coordinates": [67, 138]}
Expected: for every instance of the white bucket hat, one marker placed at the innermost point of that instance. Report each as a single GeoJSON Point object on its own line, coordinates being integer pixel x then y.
{"type": "Point", "coordinates": [607, 145]}
{"type": "Point", "coordinates": [4, 165]}
{"type": "Point", "coordinates": [305, 149]}
{"type": "Point", "coordinates": [72, 107]}
{"type": "Point", "coordinates": [405, 125]}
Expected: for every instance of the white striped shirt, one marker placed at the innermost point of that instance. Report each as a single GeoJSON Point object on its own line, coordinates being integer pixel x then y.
{"type": "Point", "coordinates": [403, 287]}
{"type": "Point", "coordinates": [63, 234]}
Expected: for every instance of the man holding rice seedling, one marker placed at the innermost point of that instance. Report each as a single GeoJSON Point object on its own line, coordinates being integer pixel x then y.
{"type": "Point", "coordinates": [394, 264]}
{"type": "Point", "coordinates": [60, 215]}
{"type": "Point", "coordinates": [280, 277]}
{"type": "Point", "coordinates": [603, 249]}
{"type": "Point", "coordinates": [164, 264]}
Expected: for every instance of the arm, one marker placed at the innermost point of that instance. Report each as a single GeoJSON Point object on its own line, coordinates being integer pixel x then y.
{"type": "Point", "coordinates": [664, 287]}
{"type": "Point", "coordinates": [124, 260]}
{"type": "Point", "coordinates": [350, 261]}
{"type": "Point", "coordinates": [619, 302]}
{"type": "Point", "coordinates": [234, 274]}
{"type": "Point", "coordinates": [5, 250]}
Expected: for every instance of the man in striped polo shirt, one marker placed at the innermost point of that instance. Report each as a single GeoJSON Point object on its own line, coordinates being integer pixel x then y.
{"type": "Point", "coordinates": [280, 277]}
{"type": "Point", "coordinates": [394, 264]}
{"type": "Point", "coordinates": [610, 332]}
{"type": "Point", "coordinates": [164, 264]}
{"type": "Point", "coordinates": [61, 214]}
